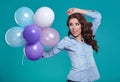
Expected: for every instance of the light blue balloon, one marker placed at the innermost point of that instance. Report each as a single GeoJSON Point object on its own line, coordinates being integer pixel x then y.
{"type": "Point", "coordinates": [24, 16]}
{"type": "Point", "coordinates": [14, 37]}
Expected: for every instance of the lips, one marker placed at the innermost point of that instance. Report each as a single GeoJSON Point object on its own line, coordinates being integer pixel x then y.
{"type": "Point", "coordinates": [74, 32]}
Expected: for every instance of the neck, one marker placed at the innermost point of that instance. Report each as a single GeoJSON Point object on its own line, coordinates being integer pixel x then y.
{"type": "Point", "coordinates": [79, 38]}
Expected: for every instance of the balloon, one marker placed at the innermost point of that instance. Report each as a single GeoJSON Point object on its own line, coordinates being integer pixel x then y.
{"type": "Point", "coordinates": [24, 16]}
{"type": "Point", "coordinates": [34, 52]}
{"type": "Point", "coordinates": [49, 37]}
{"type": "Point", "coordinates": [31, 33]}
{"type": "Point", "coordinates": [14, 37]}
{"type": "Point", "coordinates": [44, 17]}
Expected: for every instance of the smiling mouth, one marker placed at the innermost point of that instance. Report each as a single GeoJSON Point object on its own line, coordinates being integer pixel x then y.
{"type": "Point", "coordinates": [74, 32]}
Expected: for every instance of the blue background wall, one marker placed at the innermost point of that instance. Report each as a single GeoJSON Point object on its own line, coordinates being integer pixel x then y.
{"type": "Point", "coordinates": [55, 69]}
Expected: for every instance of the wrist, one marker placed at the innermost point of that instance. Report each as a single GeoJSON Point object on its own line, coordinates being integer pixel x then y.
{"type": "Point", "coordinates": [82, 11]}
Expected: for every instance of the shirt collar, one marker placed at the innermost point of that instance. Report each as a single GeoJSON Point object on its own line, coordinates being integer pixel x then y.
{"type": "Point", "coordinates": [72, 37]}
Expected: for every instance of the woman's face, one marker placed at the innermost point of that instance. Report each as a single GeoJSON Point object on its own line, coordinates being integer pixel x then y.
{"type": "Point", "coordinates": [75, 27]}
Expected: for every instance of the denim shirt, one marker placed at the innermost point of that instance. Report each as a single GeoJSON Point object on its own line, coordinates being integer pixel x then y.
{"type": "Point", "coordinates": [83, 68]}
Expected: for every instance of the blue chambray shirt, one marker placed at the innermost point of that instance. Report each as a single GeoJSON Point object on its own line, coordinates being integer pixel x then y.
{"type": "Point", "coordinates": [83, 68]}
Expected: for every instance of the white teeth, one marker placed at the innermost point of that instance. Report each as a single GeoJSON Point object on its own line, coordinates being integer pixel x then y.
{"type": "Point", "coordinates": [74, 31]}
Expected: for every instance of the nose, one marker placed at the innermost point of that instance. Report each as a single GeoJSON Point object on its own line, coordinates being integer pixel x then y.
{"type": "Point", "coordinates": [74, 26]}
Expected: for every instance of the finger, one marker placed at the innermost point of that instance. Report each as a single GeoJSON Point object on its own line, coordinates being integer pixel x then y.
{"type": "Point", "coordinates": [70, 11]}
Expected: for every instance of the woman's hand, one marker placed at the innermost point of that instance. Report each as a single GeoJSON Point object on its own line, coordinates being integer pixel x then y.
{"type": "Point", "coordinates": [72, 11]}
{"type": "Point", "coordinates": [76, 10]}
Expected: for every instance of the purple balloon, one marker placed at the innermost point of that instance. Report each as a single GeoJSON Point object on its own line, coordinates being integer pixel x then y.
{"type": "Point", "coordinates": [31, 33]}
{"type": "Point", "coordinates": [35, 51]}
{"type": "Point", "coordinates": [49, 37]}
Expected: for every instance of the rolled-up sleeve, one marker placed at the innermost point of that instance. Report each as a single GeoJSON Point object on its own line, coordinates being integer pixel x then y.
{"type": "Point", "coordinates": [96, 19]}
{"type": "Point", "coordinates": [56, 49]}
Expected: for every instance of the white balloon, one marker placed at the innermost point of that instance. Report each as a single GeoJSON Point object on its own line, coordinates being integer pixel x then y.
{"type": "Point", "coordinates": [44, 17]}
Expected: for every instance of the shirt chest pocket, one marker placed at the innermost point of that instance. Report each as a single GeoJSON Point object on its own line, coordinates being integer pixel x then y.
{"type": "Point", "coordinates": [85, 50]}
{"type": "Point", "coordinates": [71, 47]}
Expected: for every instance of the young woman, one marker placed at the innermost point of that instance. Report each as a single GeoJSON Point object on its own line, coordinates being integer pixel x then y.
{"type": "Point", "coordinates": [80, 44]}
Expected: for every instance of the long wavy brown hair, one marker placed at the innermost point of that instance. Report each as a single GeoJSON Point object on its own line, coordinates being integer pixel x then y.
{"type": "Point", "coordinates": [86, 30]}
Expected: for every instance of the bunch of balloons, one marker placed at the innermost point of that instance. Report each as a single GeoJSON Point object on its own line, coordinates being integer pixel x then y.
{"type": "Point", "coordinates": [33, 30]}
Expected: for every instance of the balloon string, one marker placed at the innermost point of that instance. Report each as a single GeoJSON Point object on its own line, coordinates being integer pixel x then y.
{"type": "Point", "coordinates": [23, 59]}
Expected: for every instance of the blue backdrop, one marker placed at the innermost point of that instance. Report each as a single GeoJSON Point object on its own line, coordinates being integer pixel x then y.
{"type": "Point", "coordinates": [55, 69]}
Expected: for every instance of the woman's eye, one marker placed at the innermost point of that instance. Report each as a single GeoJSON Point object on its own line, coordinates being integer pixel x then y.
{"type": "Point", "coordinates": [70, 24]}
{"type": "Point", "coordinates": [77, 24]}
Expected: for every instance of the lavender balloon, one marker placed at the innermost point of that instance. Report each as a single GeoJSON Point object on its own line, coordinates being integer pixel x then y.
{"type": "Point", "coordinates": [49, 37]}
{"type": "Point", "coordinates": [34, 52]}
{"type": "Point", "coordinates": [31, 33]}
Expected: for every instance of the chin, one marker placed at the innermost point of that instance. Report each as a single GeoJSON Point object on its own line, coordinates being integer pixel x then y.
{"type": "Point", "coordinates": [75, 35]}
